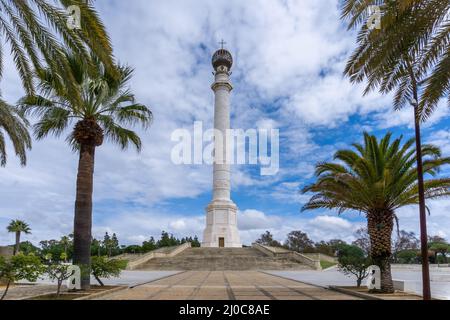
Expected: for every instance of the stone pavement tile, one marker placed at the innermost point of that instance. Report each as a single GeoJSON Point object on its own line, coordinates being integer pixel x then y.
{"type": "Point", "coordinates": [256, 297]}
{"type": "Point", "coordinates": [202, 297]}
{"type": "Point", "coordinates": [212, 292]}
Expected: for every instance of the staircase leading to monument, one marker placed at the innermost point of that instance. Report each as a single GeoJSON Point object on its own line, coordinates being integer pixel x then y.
{"type": "Point", "coordinates": [218, 259]}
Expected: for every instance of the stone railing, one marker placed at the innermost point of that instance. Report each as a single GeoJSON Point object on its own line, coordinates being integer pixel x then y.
{"type": "Point", "coordinates": [144, 258]}
{"type": "Point", "coordinates": [282, 253]}
{"type": "Point", "coordinates": [321, 257]}
{"type": "Point", "coordinates": [6, 251]}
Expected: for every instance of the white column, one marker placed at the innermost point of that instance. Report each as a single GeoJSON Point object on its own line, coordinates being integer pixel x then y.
{"type": "Point", "coordinates": [221, 175]}
{"type": "Point", "coordinates": [221, 213]}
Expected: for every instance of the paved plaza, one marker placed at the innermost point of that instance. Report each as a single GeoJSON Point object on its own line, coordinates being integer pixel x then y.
{"type": "Point", "coordinates": [226, 285]}
{"type": "Point", "coordinates": [440, 280]}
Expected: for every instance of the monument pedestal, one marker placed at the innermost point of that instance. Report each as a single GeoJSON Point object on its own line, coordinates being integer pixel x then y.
{"type": "Point", "coordinates": [221, 225]}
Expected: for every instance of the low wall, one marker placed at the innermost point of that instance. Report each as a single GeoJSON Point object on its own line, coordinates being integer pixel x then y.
{"type": "Point", "coordinates": [418, 267]}
{"type": "Point", "coordinates": [142, 259]}
{"type": "Point", "coordinates": [283, 253]}
{"type": "Point", "coordinates": [321, 257]}
{"type": "Point", "coordinates": [6, 251]}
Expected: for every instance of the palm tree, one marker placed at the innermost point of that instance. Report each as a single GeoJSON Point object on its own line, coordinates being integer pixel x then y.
{"type": "Point", "coordinates": [18, 226]}
{"type": "Point", "coordinates": [31, 41]}
{"type": "Point", "coordinates": [106, 105]}
{"type": "Point", "coordinates": [66, 243]}
{"type": "Point", "coordinates": [14, 125]}
{"type": "Point", "coordinates": [388, 61]}
{"type": "Point", "coordinates": [419, 26]}
{"type": "Point", "coordinates": [377, 178]}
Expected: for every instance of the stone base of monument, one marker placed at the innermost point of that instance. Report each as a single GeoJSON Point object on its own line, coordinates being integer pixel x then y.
{"type": "Point", "coordinates": [221, 226]}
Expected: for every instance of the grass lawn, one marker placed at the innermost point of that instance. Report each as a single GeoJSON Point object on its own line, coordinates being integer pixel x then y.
{"type": "Point", "coordinates": [326, 264]}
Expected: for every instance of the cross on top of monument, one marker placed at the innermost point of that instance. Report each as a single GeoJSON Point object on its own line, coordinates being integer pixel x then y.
{"type": "Point", "coordinates": [222, 43]}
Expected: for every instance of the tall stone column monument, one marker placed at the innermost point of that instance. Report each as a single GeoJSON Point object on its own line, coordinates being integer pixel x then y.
{"type": "Point", "coordinates": [221, 214]}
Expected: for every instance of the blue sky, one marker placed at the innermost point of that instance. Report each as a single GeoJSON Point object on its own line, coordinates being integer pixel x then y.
{"type": "Point", "coordinates": [289, 58]}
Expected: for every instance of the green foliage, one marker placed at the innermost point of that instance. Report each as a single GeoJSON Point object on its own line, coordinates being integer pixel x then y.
{"type": "Point", "coordinates": [27, 247]}
{"type": "Point", "coordinates": [167, 240]}
{"type": "Point", "coordinates": [148, 245]}
{"type": "Point", "coordinates": [267, 239]}
{"type": "Point", "coordinates": [380, 174]}
{"type": "Point", "coordinates": [13, 125]}
{"type": "Point", "coordinates": [299, 241]}
{"type": "Point", "coordinates": [18, 226]}
{"type": "Point", "coordinates": [102, 267]}
{"type": "Point", "coordinates": [353, 261]}
{"type": "Point", "coordinates": [408, 256]}
{"type": "Point", "coordinates": [326, 264]}
{"type": "Point", "coordinates": [20, 267]}
{"type": "Point", "coordinates": [412, 31]}
{"type": "Point", "coordinates": [57, 270]}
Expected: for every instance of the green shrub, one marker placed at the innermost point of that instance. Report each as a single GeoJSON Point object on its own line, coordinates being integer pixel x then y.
{"type": "Point", "coordinates": [102, 267]}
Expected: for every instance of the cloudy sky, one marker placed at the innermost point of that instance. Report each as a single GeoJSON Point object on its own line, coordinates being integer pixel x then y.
{"type": "Point", "coordinates": [289, 58]}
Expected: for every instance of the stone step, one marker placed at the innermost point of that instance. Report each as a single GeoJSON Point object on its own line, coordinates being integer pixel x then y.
{"type": "Point", "coordinates": [219, 259]}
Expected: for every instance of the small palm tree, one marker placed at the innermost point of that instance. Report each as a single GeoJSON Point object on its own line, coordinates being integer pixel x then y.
{"type": "Point", "coordinates": [106, 105]}
{"type": "Point", "coordinates": [376, 179]}
{"type": "Point", "coordinates": [66, 242]}
{"type": "Point", "coordinates": [13, 125]}
{"type": "Point", "coordinates": [17, 227]}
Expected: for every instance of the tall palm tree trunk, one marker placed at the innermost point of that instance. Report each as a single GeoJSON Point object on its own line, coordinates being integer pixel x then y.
{"type": "Point", "coordinates": [83, 214]}
{"type": "Point", "coordinates": [17, 246]}
{"type": "Point", "coordinates": [380, 225]}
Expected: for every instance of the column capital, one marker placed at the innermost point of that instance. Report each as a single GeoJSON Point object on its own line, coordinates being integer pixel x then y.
{"type": "Point", "coordinates": [218, 84]}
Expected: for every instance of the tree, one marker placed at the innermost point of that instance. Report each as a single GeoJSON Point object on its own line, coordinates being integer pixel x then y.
{"type": "Point", "coordinates": [195, 243]}
{"type": "Point", "coordinates": [389, 61]}
{"type": "Point", "coordinates": [107, 244]}
{"type": "Point", "coordinates": [362, 240]}
{"type": "Point", "coordinates": [52, 248]}
{"type": "Point", "coordinates": [31, 42]}
{"type": "Point", "coordinates": [114, 245]}
{"type": "Point", "coordinates": [107, 105]}
{"type": "Point", "coordinates": [149, 245]}
{"type": "Point", "coordinates": [14, 125]}
{"type": "Point", "coordinates": [420, 27]}
{"type": "Point", "coordinates": [19, 267]}
{"type": "Point", "coordinates": [403, 242]}
{"type": "Point", "coordinates": [17, 227]}
{"type": "Point", "coordinates": [328, 247]}
{"type": "Point", "coordinates": [298, 241]}
{"type": "Point", "coordinates": [67, 244]}
{"type": "Point", "coordinates": [267, 239]}
{"type": "Point", "coordinates": [377, 178]}
{"type": "Point", "coordinates": [439, 247]}
{"type": "Point", "coordinates": [352, 260]}
{"type": "Point", "coordinates": [167, 240]}
{"type": "Point", "coordinates": [408, 256]}
{"type": "Point", "coordinates": [102, 267]}
{"type": "Point", "coordinates": [436, 239]}
{"type": "Point", "coordinates": [96, 247]}
{"type": "Point", "coordinates": [58, 271]}
{"type": "Point", "coordinates": [26, 247]}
